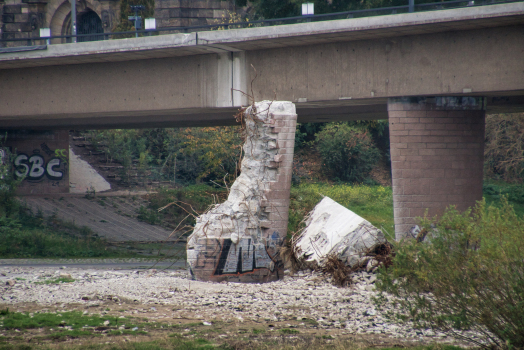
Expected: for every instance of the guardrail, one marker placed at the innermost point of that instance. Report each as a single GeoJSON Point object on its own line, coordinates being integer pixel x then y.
{"type": "Point", "coordinates": [39, 43]}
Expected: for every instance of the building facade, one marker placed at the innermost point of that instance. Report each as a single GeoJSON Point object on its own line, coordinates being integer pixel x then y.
{"type": "Point", "coordinates": [21, 20]}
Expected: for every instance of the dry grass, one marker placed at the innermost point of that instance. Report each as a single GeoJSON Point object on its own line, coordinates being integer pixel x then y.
{"type": "Point", "coordinates": [337, 270]}
{"type": "Point", "coordinates": [504, 146]}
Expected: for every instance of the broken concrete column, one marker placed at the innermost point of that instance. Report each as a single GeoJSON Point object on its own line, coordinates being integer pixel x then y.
{"type": "Point", "coordinates": [239, 240]}
{"type": "Point", "coordinates": [332, 229]}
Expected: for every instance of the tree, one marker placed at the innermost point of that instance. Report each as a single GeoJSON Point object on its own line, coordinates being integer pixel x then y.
{"type": "Point", "coordinates": [124, 24]}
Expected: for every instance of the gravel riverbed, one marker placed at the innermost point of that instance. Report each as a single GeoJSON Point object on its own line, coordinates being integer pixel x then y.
{"type": "Point", "coordinates": [301, 297]}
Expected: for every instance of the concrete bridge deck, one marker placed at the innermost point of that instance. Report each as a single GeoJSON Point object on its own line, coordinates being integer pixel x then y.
{"type": "Point", "coordinates": [333, 70]}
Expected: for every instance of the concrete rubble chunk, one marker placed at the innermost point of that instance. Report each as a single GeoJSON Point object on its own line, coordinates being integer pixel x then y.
{"type": "Point", "coordinates": [239, 240]}
{"type": "Point", "coordinates": [334, 229]}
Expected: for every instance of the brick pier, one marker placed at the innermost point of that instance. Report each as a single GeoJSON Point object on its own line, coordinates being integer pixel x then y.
{"type": "Point", "coordinates": [437, 153]}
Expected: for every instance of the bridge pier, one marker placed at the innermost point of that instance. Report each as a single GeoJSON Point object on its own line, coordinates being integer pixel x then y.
{"type": "Point", "coordinates": [437, 153]}
{"type": "Point", "coordinates": [239, 239]}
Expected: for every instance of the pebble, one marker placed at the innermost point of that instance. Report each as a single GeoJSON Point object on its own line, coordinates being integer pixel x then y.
{"type": "Point", "coordinates": [304, 296]}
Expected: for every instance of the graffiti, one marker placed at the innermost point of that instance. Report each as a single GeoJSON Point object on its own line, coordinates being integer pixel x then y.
{"type": "Point", "coordinates": [246, 256]}
{"type": "Point", "coordinates": [46, 149]}
{"type": "Point", "coordinates": [61, 153]}
{"type": "Point", "coordinates": [34, 167]}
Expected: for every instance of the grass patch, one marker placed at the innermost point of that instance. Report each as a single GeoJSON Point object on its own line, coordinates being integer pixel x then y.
{"type": "Point", "coordinates": [494, 190]}
{"type": "Point", "coordinates": [289, 331]}
{"type": "Point", "coordinates": [374, 203]}
{"type": "Point", "coordinates": [32, 236]}
{"type": "Point", "coordinates": [68, 321]}
{"type": "Point", "coordinates": [57, 280]}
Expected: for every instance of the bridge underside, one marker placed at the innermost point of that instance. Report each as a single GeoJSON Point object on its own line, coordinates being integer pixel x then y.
{"type": "Point", "coordinates": [394, 67]}
{"type": "Point", "coordinates": [333, 70]}
{"type": "Point", "coordinates": [317, 112]}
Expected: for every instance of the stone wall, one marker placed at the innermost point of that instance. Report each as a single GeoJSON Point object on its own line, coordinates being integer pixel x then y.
{"type": "Point", "coordinates": [183, 13]}
{"type": "Point", "coordinates": [21, 20]}
{"type": "Point", "coordinates": [43, 158]}
{"type": "Point", "coordinates": [437, 153]}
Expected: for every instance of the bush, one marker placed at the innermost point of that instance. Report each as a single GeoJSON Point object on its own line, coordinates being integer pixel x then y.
{"type": "Point", "coordinates": [347, 152]}
{"type": "Point", "coordinates": [184, 156]}
{"type": "Point", "coordinates": [470, 276]}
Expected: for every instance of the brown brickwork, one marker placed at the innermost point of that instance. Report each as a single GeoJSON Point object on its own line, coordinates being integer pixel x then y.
{"type": "Point", "coordinates": [43, 158]}
{"type": "Point", "coordinates": [239, 240]}
{"type": "Point", "coordinates": [277, 197]}
{"type": "Point", "coordinates": [437, 150]}
{"type": "Point", "coordinates": [184, 13]}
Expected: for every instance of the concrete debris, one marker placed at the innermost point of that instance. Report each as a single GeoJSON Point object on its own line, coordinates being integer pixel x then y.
{"type": "Point", "coordinates": [238, 240]}
{"type": "Point", "coordinates": [332, 229]}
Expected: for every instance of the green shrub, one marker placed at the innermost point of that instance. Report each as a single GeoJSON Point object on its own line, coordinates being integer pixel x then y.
{"type": "Point", "coordinates": [469, 276]}
{"type": "Point", "coordinates": [348, 153]}
{"type": "Point", "coordinates": [514, 192]}
{"type": "Point", "coordinates": [152, 217]}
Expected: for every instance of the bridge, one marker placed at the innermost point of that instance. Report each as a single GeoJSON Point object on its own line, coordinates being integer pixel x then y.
{"type": "Point", "coordinates": [434, 74]}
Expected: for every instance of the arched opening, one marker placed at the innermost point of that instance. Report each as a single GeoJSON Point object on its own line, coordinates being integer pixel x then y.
{"type": "Point", "coordinates": [89, 23]}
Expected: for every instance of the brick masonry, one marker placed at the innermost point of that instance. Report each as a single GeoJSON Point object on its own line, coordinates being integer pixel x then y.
{"type": "Point", "coordinates": [276, 199]}
{"type": "Point", "coordinates": [239, 240]}
{"type": "Point", "coordinates": [21, 20]}
{"type": "Point", "coordinates": [183, 13]}
{"type": "Point", "coordinates": [437, 154]}
{"type": "Point", "coordinates": [42, 157]}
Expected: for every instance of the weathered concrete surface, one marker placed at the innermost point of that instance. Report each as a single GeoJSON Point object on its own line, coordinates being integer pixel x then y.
{"type": "Point", "coordinates": [238, 240]}
{"type": "Point", "coordinates": [437, 156]}
{"type": "Point", "coordinates": [112, 218]}
{"type": "Point", "coordinates": [332, 229]}
{"type": "Point", "coordinates": [334, 70]}
{"type": "Point", "coordinates": [83, 177]}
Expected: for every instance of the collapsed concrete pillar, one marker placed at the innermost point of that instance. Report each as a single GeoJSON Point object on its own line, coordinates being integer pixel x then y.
{"type": "Point", "coordinates": [437, 153]}
{"type": "Point", "coordinates": [239, 240]}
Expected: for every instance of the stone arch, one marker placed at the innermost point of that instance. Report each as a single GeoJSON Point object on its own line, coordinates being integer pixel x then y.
{"type": "Point", "coordinates": [59, 15]}
{"type": "Point", "coordinates": [89, 23]}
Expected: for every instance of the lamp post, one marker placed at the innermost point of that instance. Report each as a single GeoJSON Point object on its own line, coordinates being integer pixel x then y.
{"type": "Point", "coordinates": [136, 18]}
{"type": "Point", "coordinates": [73, 20]}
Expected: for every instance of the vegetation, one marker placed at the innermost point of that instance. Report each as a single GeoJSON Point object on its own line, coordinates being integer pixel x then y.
{"type": "Point", "coordinates": [182, 156]}
{"type": "Point", "coordinates": [124, 24]}
{"type": "Point", "coordinates": [375, 203]}
{"type": "Point", "coordinates": [348, 153]}
{"type": "Point", "coordinates": [289, 8]}
{"type": "Point", "coordinates": [504, 147]}
{"type": "Point", "coordinates": [467, 275]}
{"type": "Point", "coordinates": [77, 330]}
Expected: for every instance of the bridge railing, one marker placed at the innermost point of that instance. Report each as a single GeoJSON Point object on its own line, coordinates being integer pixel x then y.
{"type": "Point", "coordinates": [40, 43]}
